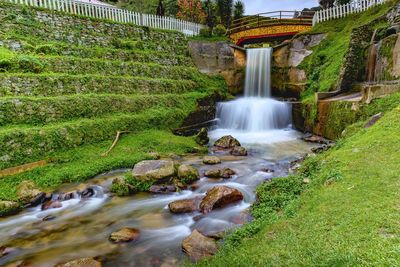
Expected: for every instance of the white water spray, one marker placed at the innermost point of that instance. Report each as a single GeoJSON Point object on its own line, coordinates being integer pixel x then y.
{"type": "Point", "coordinates": [256, 114]}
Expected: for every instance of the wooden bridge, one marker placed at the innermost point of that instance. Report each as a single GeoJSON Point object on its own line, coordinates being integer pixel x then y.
{"type": "Point", "coordinates": [270, 26]}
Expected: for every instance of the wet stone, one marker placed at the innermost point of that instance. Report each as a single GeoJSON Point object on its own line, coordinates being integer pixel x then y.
{"type": "Point", "coordinates": [85, 262]}
{"type": "Point", "coordinates": [219, 197]}
{"type": "Point", "coordinates": [51, 205]}
{"type": "Point", "coordinates": [239, 151]}
{"type": "Point", "coordinates": [227, 142]}
{"type": "Point", "coordinates": [198, 246]}
{"type": "Point", "coordinates": [88, 192]}
{"type": "Point", "coordinates": [153, 170]}
{"type": "Point", "coordinates": [162, 189]}
{"type": "Point", "coordinates": [211, 160]}
{"type": "Point", "coordinates": [125, 235]}
{"type": "Point", "coordinates": [185, 205]}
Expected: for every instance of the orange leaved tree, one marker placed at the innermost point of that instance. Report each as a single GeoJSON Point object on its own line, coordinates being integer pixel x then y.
{"type": "Point", "coordinates": [191, 10]}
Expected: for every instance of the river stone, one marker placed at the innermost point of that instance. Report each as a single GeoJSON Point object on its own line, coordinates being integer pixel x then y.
{"type": "Point", "coordinates": [213, 173]}
{"type": "Point", "coordinates": [219, 197]}
{"type": "Point", "coordinates": [88, 192]}
{"type": "Point", "coordinates": [162, 189]}
{"type": "Point", "coordinates": [28, 193]}
{"type": "Point", "coordinates": [239, 151]}
{"type": "Point", "coordinates": [125, 235]}
{"type": "Point", "coordinates": [227, 173]}
{"type": "Point", "coordinates": [185, 205]}
{"type": "Point", "coordinates": [211, 160]}
{"type": "Point", "coordinates": [153, 170]}
{"type": "Point", "coordinates": [198, 246]}
{"type": "Point", "coordinates": [217, 173]}
{"type": "Point", "coordinates": [8, 208]}
{"type": "Point", "coordinates": [68, 196]}
{"type": "Point", "coordinates": [188, 174]}
{"type": "Point", "coordinates": [227, 142]}
{"type": "Point", "coordinates": [85, 262]}
{"type": "Point", "coordinates": [51, 205]}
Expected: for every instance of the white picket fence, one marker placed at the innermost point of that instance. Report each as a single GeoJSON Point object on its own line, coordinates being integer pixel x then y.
{"type": "Point", "coordinates": [104, 11]}
{"type": "Point", "coordinates": [341, 11]}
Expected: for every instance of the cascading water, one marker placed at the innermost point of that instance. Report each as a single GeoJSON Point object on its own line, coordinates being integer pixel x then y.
{"type": "Point", "coordinates": [256, 113]}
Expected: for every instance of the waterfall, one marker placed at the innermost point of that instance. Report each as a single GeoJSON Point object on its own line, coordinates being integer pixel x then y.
{"type": "Point", "coordinates": [256, 111]}
{"type": "Point", "coordinates": [258, 72]}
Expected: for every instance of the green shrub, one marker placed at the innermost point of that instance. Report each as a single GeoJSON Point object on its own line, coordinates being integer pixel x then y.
{"type": "Point", "coordinates": [30, 64]}
{"type": "Point", "coordinates": [139, 185]}
{"type": "Point", "coordinates": [205, 32]}
{"type": "Point", "coordinates": [45, 49]}
{"type": "Point", "coordinates": [219, 30]}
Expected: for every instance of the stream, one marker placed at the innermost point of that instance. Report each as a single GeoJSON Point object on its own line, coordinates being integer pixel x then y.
{"type": "Point", "coordinates": [81, 228]}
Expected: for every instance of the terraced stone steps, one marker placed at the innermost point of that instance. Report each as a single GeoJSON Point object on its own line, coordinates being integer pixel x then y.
{"type": "Point", "coordinates": [45, 110]}
{"type": "Point", "coordinates": [22, 144]}
{"type": "Point", "coordinates": [55, 26]}
{"type": "Point", "coordinates": [126, 52]}
{"type": "Point", "coordinates": [76, 66]}
{"type": "Point", "coordinates": [28, 84]}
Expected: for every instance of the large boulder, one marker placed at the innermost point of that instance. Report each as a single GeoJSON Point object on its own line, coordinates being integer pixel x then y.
{"type": "Point", "coordinates": [198, 246]}
{"type": "Point", "coordinates": [185, 205]}
{"type": "Point", "coordinates": [219, 197]}
{"type": "Point", "coordinates": [8, 208]}
{"type": "Point", "coordinates": [125, 235]}
{"type": "Point", "coordinates": [188, 174]}
{"type": "Point", "coordinates": [29, 194]}
{"type": "Point", "coordinates": [153, 170]}
{"type": "Point", "coordinates": [85, 262]}
{"type": "Point", "coordinates": [211, 160]}
{"type": "Point", "coordinates": [227, 142]}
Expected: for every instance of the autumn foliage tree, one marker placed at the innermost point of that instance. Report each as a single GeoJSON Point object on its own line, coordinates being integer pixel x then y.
{"type": "Point", "coordinates": [191, 10]}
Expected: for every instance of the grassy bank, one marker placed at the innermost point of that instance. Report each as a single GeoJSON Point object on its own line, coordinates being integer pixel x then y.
{"type": "Point", "coordinates": [346, 216]}
{"type": "Point", "coordinates": [82, 163]}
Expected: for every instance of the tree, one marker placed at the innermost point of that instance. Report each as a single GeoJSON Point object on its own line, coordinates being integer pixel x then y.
{"type": "Point", "coordinates": [160, 9]}
{"type": "Point", "coordinates": [191, 10]}
{"type": "Point", "coordinates": [225, 8]}
{"type": "Point", "coordinates": [210, 9]}
{"type": "Point", "coordinates": [238, 10]}
{"type": "Point", "coordinates": [342, 2]}
{"type": "Point", "coordinates": [171, 8]}
{"type": "Point", "coordinates": [326, 3]}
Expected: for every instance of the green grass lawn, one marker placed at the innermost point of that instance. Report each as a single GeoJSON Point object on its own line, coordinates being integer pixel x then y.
{"type": "Point", "coordinates": [349, 215]}
{"type": "Point", "coordinates": [80, 164]}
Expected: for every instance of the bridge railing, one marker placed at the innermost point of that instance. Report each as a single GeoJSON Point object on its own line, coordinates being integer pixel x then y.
{"type": "Point", "coordinates": [104, 11]}
{"type": "Point", "coordinates": [270, 18]}
{"type": "Point", "coordinates": [340, 11]}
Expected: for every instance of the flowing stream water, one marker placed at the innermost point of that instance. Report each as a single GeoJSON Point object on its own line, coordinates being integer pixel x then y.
{"type": "Point", "coordinates": [82, 226]}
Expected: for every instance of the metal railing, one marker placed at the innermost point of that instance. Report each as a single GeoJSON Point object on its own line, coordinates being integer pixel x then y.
{"type": "Point", "coordinates": [271, 18]}
{"type": "Point", "coordinates": [340, 11]}
{"type": "Point", "coordinates": [109, 12]}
